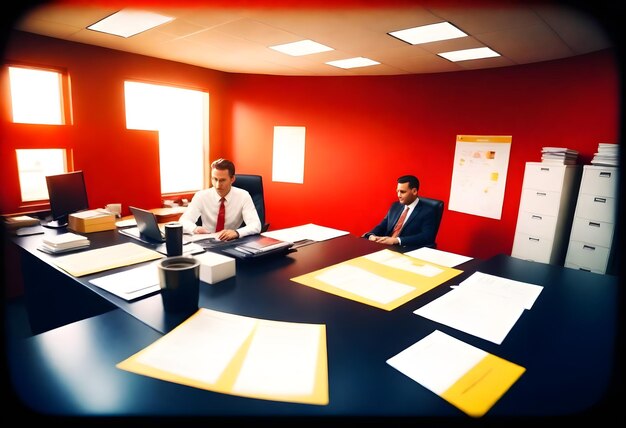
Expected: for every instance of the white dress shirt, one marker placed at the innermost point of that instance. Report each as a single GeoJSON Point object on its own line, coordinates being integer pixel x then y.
{"type": "Point", "coordinates": [239, 208]}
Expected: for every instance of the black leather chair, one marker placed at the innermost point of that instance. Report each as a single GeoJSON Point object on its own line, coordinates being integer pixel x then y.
{"type": "Point", "coordinates": [438, 205]}
{"type": "Point", "coordinates": [254, 185]}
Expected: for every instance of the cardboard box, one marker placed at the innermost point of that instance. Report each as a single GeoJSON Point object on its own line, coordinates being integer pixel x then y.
{"type": "Point", "coordinates": [91, 221]}
{"type": "Point", "coordinates": [215, 267]}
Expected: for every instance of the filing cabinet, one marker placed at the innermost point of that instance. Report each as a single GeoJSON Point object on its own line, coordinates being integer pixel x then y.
{"type": "Point", "coordinates": [591, 239]}
{"type": "Point", "coordinates": [545, 212]}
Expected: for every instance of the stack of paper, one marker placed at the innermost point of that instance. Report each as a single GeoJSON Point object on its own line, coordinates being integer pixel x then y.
{"type": "Point", "coordinates": [607, 155]}
{"type": "Point", "coordinates": [64, 242]}
{"type": "Point", "coordinates": [559, 155]}
{"type": "Point", "coordinates": [15, 222]}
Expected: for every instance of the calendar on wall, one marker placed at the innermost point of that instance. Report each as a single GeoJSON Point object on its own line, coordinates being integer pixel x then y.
{"type": "Point", "coordinates": [479, 174]}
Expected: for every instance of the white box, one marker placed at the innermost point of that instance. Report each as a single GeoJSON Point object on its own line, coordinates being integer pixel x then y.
{"type": "Point", "coordinates": [215, 267]}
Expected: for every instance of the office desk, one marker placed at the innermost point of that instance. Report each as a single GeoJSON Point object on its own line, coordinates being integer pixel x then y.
{"type": "Point", "coordinates": [566, 342]}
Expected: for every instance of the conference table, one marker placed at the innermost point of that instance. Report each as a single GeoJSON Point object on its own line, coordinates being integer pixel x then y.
{"type": "Point", "coordinates": [567, 342]}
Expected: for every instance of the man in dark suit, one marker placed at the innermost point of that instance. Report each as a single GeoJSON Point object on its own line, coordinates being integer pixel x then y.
{"type": "Point", "coordinates": [417, 226]}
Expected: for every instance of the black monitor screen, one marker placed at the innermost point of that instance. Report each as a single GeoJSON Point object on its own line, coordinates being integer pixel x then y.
{"type": "Point", "coordinates": [68, 195]}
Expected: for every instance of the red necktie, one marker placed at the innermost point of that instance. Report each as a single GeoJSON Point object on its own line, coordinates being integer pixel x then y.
{"type": "Point", "coordinates": [220, 217]}
{"type": "Point", "coordinates": [398, 226]}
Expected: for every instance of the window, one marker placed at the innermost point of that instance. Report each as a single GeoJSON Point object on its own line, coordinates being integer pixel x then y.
{"type": "Point", "coordinates": [33, 165]}
{"type": "Point", "coordinates": [37, 98]}
{"type": "Point", "coordinates": [181, 118]}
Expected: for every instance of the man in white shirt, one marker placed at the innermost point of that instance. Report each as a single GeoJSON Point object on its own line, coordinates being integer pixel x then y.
{"type": "Point", "coordinates": [238, 207]}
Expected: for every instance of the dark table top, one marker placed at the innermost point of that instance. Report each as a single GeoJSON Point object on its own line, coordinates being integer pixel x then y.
{"type": "Point", "coordinates": [567, 342]}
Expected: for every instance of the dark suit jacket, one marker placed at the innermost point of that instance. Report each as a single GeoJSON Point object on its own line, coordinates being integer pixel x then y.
{"type": "Point", "coordinates": [418, 230]}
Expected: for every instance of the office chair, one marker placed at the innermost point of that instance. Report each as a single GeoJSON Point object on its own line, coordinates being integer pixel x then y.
{"type": "Point", "coordinates": [254, 185]}
{"type": "Point", "coordinates": [438, 206]}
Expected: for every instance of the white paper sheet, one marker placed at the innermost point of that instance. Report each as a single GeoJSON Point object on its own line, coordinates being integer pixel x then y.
{"type": "Point", "coordinates": [399, 261]}
{"type": "Point", "coordinates": [483, 305]}
{"type": "Point", "coordinates": [519, 292]}
{"type": "Point", "coordinates": [282, 359]}
{"type": "Point", "coordinates": [309, 231]}
{"type": "Point", "coordinates": [439, 257]}
{"type": "Point", "coordinates": [131, 284]}
{"type": "Point", "coordinates": [203, 348]}
{"type": "Point", "coordinates": [365, 284]}
{"type": "Point", "coordinates": [437, 361]}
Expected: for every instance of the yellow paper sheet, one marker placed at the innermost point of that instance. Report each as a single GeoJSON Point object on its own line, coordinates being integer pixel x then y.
{"type": "Point", "coordinates": [384, 279]}
{"type": "Point", "coordinates": [101, 259]}
{"type": "Point", "coordinates": [241, 356]}
{"type": "Point", "coordinates": [481, 387]}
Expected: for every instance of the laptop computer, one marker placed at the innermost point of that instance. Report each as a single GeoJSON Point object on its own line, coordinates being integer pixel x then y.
{"type": "Point", "coordinates": [147, 229]}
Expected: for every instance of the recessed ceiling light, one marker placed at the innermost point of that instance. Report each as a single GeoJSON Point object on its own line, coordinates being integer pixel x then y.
{"type": "Point", "coordinates": [303, 47]}
{"type": "Point", "coordinates": [128, 22]}
{"type": "Point", "coordinates": [466, 54]}
{"type": "Point", "coordinates": [353, 62]}
{"type": "Point", "coordinates": [428, 33]}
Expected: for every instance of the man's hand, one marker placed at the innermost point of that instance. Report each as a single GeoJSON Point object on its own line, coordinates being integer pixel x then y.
{"type": "Point", "coordinates": [387, 240]}
{"type": "Point", "coordinates": [227, 235]}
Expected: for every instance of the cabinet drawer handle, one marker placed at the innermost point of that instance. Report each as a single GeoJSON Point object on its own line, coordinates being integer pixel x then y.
{"type": "Point", "coordinates": [530, 238]}
{"type": "Point", "coordinates": [541, 193]}
{"type": "Point", "coordinates": [604, 174]}
{"type": "Point", "coordinates": [537, 217]}
{"type": "Point", "coordinates": [594, 224]}
{"type": "Point", "coordinates": [601, 200]}
{"type": "Point", "coordinates": [543, 168]}
{"type": "Point", "coordinates": [589, 247]}
{"type": "Point", "coordinates": [584, 270]}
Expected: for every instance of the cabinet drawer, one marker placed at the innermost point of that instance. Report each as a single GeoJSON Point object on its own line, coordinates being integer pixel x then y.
{"type": "Point", "coordinates": [592, 231]}
{"type": "Point", "coordinates": [592, 257]}
{"type": "Point", "coordinates": [598, 208]}
{"type": "Point", "coordinates": [532, 248]}
{"type": "Point", "coordinates": [540, 201]}
{"type": "Point", "coordinates": [586, 269]}
{"type": "Point", "coordinates": [545, 177]}
{"type": "Point", "coordinates": [541, 225]}
{"type": "Point", "coordinates": [599, 181]}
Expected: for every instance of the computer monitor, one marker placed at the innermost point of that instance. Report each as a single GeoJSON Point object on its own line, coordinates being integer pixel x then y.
{"type": "Point", "coordinates": [68, 195]}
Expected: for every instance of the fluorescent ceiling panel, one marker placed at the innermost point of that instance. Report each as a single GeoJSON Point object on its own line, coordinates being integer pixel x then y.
{"type": "Point", "coordinates": [353, 62]}
{"type": "Point", "coordinates": [303, 47]}
{"type": "Point", "coordinates": [428, 33]}
{"type": "Point", "coordinates": [128, 22]}
{"type": "Point", "coordinates": [466, 54]}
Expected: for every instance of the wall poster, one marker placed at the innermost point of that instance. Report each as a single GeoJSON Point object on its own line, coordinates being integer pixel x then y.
{"type": "Point", "coordinates": [288, 154]}
{"type": "Point", "coordinates": [479, 174]}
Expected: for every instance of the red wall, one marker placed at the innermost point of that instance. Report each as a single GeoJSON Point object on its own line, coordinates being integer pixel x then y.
{"type": "Point", "coordinates": [364, 132]}
{"type": "Point", "coordinates": [361, 132]}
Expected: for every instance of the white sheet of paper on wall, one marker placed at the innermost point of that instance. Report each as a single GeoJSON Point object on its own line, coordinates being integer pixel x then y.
{"type": "Point", "coordinates": [288, 154]}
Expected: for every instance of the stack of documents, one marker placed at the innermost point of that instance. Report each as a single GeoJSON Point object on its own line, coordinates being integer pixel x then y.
{"type": "Point", "coordinates": [559, 155]}
{"type": "Point", "coordinates": [64, 242]}
{"type": "Point", "coordinates": [607, 155]}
